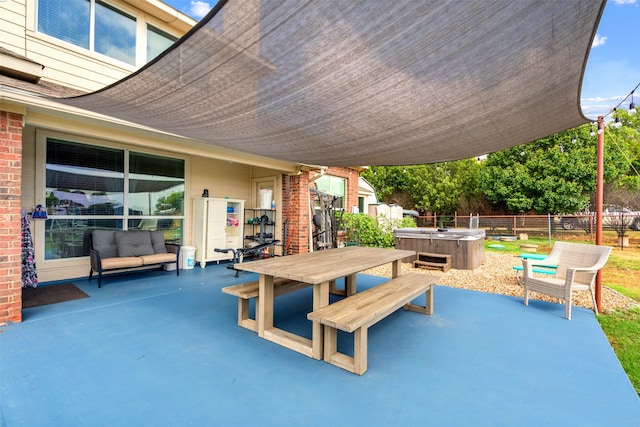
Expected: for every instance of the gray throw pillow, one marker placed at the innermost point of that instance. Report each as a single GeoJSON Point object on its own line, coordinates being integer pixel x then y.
{"type": "Point", "coordinates": [104, 242]}
{"type": "Point", "coordinates": [134, 243]}
{"type": "Point", "coordinates": [157, 241]}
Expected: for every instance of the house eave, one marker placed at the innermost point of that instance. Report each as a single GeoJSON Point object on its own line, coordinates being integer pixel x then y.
{"type": "Point", "coordinates": [38, 111]}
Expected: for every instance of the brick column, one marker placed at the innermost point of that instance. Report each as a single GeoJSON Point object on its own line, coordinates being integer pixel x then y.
{"type": "Point", "coordinates": [295, 209]}
{"type": "Point", "coordinates": [10, 243]}
{"type": "Point", "coordinates": [295, 204]}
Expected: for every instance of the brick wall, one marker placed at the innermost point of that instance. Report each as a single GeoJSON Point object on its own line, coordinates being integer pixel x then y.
{"type": "Point", "coordinates": [295, 204]}
{"type": "Point", "coordinates": [10, 240]}
{"type": "Point", "coordinates": [295, 209]}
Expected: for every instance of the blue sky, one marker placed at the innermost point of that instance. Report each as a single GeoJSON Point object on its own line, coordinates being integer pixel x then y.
{"type": "Point", "coordinates": [195, 9]}
{"type": "Point", "coordinates": [613, 68]}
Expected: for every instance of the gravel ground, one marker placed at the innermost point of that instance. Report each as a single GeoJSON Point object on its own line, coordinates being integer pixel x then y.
{"type": "Point", "coordinates": [497, 276]}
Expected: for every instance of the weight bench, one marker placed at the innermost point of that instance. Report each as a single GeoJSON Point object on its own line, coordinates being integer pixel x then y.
{"type": "Point", "coordinates": [248, 251]}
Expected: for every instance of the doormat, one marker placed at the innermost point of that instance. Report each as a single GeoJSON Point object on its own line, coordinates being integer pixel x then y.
{"type": "Point", "coordinates": [44, 295]}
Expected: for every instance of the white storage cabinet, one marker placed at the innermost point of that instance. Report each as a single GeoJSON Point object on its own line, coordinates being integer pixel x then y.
{"type": "Point", "coordinates": [218, 223]}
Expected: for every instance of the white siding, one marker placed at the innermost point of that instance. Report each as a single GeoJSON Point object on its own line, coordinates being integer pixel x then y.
{"type": "Point", "coordinates": [70, 65]}
{"type": "Point", "coordinates": [12, 21]}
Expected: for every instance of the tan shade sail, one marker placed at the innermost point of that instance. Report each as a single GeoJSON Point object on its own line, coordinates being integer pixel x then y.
{"type": "Point", "coordinates": [348, 82]}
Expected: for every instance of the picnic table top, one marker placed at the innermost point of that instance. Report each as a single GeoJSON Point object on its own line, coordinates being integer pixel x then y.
{"type": "Point", "coordinates": [321, 266]}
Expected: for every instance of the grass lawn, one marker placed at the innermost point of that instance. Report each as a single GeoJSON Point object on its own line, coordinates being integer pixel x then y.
{"type": "Point", "coordinates": [623, 331]}
{"type": "Point", "coordinates": [622, 273]}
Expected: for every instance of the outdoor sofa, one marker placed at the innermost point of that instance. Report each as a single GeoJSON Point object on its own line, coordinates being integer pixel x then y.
{"type": "Point", "coordinates": [114, 250]}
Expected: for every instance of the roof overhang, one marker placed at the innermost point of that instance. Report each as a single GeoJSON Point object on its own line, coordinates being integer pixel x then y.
{"type": "Point", "coordinates": [46, 113]}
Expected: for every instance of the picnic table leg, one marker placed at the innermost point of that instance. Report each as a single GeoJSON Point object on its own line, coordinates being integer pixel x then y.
{"type": "Point", "coordinates": [334, 289]}
{"type": "Point", "coordinates": [396, 269]}
{"type": "Point", "coordinates": [350, 284]}
{"type": "Point", "coordinates": [320, 299]}
{"type": "Point", "coordinates": [264, 313]}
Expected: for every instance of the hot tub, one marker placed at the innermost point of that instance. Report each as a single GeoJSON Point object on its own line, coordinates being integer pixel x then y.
{"type": "Point", "coordinates": [465, 245]}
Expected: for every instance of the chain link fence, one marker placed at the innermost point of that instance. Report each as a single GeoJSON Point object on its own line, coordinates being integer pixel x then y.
{"type": "Point", "coordinates": [554, 227]}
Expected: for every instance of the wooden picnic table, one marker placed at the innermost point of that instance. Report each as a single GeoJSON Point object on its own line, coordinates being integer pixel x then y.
{"type": "Point", "coordinates": [320, 269]}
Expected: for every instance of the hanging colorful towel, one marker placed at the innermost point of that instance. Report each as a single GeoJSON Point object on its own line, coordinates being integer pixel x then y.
{"type": "Point", "coordinates": [29, 274]}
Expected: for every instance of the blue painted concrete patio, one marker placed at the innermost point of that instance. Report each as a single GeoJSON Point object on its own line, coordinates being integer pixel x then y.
{"type": "Point", "coordinates": [155, 350]}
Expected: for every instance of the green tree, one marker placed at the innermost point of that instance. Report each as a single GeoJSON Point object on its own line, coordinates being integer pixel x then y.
{"type": "Point", "coordinates": [555, 174]}
{"type": "Point", "coordinates": [437, 187]}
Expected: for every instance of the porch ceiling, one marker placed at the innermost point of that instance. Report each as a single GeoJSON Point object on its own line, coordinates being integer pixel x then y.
{"type": "Point", "coordinates": [366, 83]}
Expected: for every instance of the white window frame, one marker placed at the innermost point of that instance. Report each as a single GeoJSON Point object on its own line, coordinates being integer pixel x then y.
{"type": "Point", "coordinates": [40, 187]}
{"type": "Point", "coordinates": [142, 20]}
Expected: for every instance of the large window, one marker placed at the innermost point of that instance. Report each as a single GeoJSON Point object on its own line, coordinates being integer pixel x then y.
{"type": "Point", "coordinates": [89, 187]}
{"type": "Point", "coordinates": [99, 27]}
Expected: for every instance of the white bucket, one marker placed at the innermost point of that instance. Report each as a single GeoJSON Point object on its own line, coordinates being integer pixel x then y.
{"type": "Point", "coordinates": [266, 196]}
{"type": "Point", "coordinates": [188, 257]}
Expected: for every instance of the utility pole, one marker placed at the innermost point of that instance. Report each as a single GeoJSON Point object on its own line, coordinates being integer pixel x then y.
{"type": "Point", "coordinates": [599, 202]}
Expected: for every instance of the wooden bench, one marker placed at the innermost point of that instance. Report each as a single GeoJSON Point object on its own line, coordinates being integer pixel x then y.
{"type": "Point", "coordinates": [362, 310]}
{"type": "Point", "coordinates": [246, 291]}
{"type": "Point", "coordinates": [425, 259]}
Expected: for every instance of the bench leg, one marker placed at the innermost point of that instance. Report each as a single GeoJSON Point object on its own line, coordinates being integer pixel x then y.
{"type": "Point", "coordinates": [330, 343]}
{"type": "Point", "coordinates": [360, 340]}
{"type": "Point", "coordinates": [243, 315]}
{"type": "Point", "coordinates": [428, 308]}
{"type": "Point", "coordinates": [356, 364]}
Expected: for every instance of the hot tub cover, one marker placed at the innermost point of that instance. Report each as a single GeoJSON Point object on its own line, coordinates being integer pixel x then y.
{"type": "Point", "coordinates": [439, 233]}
